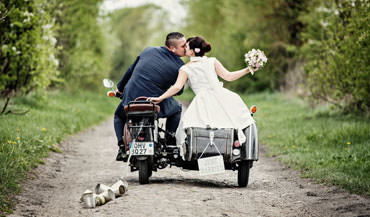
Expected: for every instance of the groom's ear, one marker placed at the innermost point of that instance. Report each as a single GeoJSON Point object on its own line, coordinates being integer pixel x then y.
{"type": "Point", "coordinates": [172, 48]}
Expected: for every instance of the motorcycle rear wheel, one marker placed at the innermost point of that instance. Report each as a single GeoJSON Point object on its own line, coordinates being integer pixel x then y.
{"type": "Point", "coordinates": [143, 171]}
{"type": "Point", "coordinates": [243, 173]}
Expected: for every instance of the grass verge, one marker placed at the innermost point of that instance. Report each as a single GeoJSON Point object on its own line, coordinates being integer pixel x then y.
{"type": "Point", "coordinates": [26, 139]}
{"type": "Point", "coordinates": [323, 144]}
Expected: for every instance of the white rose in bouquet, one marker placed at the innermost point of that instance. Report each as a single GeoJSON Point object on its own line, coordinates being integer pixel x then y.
{"type": "Point", "coordinates": [255, 59]}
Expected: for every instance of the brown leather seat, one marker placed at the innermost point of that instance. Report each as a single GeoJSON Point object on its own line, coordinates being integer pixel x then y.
{"type": "Point", "coordinates": [142, 106]}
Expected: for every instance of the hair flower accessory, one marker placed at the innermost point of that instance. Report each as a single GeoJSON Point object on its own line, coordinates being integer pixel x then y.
{"type": "Point", "coordinates": [196, 50]}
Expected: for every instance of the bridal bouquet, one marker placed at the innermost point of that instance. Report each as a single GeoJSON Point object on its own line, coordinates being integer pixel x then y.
{"type": "Point", "coordinates": [255, 59]}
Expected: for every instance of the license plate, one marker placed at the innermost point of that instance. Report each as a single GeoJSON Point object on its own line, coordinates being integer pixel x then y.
{"type": "Point", "coordinates": [141, 148]}
{"type": "Point", "coordinates": [211, 165]}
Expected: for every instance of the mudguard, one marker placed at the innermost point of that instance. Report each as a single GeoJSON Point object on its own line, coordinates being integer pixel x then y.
{"type": "Point", "coordinates": [250, 149]}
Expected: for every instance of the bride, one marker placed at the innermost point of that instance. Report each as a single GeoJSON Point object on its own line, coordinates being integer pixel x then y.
{"type": "Point", "coordinates": [213, 105]}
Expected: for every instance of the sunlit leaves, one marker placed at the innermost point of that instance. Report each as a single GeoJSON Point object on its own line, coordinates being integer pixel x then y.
{"type": "Point", "coordinates": [25, 61]}
{"type": "Point", "coordinates": [337, 53]}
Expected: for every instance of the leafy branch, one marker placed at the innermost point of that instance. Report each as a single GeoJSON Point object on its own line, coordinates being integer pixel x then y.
{"type": "Point", "coordinates": [2, 17]}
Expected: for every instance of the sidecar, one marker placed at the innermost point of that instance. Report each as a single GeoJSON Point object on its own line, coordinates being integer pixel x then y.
{"type": "Point", "coordinates": [222, 144]}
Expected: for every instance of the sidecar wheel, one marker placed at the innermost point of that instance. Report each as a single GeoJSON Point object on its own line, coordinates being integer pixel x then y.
{"type": "Point", "coordinates": [243, 173]}
{"type": "Point", "coordinates": [143, 172]}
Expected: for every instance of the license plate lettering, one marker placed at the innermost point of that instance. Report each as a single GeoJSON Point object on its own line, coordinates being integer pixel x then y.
{"type": "Point", "coordinates": [141, 148]}
{"type": "Point", "coordinates": [138, 151]}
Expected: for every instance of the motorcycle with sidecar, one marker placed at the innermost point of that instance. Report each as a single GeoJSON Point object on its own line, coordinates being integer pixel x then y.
{"type": "Point", "coordinates": [149, 147]}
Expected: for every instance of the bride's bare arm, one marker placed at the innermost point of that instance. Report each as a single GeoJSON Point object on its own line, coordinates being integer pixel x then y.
{"type": "Point", "coordinates": [180, 82]}
{"type": "Point", "coordinates": [229, 76]}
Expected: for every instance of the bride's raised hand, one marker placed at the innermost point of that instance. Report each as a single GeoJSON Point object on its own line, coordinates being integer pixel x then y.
{"type": "Point", "coordinates": [156, 100]}
{"type": "Point", "coordinates": [255, 69]}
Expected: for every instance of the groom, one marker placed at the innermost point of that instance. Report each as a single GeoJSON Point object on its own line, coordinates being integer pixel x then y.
{"type": "Point", "coordinates": [152, 73]}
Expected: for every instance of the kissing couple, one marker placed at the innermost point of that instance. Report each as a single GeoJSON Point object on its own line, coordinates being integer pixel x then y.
{"type": "Point", "coordinates": [159, 73]}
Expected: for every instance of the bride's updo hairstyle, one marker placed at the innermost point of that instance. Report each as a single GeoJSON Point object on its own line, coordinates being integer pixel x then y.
{"type": "Point", "coordinates": [199, 45]}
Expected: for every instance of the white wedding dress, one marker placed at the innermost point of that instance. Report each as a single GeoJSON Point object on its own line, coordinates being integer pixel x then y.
{"type": "Point", "coordinates": [213, 105]}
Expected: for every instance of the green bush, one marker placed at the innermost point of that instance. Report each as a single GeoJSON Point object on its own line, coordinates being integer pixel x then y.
{"type": "Point", "coordinates": [337, 52]}
{"type": "Point", "coordinates": [27, 47]}
{"type": "Point", "coordinates": [46, 43]}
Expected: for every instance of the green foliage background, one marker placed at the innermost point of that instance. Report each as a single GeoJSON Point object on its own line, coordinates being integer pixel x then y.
{"type": "Point", "coordinates": [84, 58]}
{"type": "Point", "coordinates": [51, 44]}
{"type": "Point", "coordinates": [234, 27]}
{"type": "Point", "coordinates": [133, 30]}
{"type": "Point", "coordinates": [337, 52]}
{"type": "Point", "coordinates": [27, 46]}
{"type": "Point", "coordinates": [319, 48]}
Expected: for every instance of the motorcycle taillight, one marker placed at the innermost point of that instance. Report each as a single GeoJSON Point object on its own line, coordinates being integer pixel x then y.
{"type": "Point", "coordinates": [253, 109]}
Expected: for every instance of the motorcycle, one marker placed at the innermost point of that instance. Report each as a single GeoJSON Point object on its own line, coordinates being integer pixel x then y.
{"type": "Point", "coordinates": [211, 151]}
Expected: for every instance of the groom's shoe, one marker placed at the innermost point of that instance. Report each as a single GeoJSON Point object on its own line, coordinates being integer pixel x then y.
{"type": "Point", "coordinates": [170, 138]}
{"type": "Point", "coordinates": [121, 155]}
{"type": "Point", "coordinates": [121, 152]}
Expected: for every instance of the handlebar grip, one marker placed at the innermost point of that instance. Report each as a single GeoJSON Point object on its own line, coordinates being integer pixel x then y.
{"type": "Point", "coordinates": [118, 95]}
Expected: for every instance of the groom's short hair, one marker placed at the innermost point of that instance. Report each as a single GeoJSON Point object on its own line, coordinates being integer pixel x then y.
{"type": "Point", "coordinates": [171, 39]}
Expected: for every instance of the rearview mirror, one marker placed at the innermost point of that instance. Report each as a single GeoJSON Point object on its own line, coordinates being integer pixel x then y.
{"type": "Point", "coordinates": [108, 83]}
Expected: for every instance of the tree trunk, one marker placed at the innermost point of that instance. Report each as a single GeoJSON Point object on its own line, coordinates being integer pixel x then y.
{"type": "Point", "coordinates": [6, 105]}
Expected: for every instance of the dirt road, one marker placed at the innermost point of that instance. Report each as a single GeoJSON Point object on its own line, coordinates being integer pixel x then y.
{"type": "Point", "coordinates": [88, 159]}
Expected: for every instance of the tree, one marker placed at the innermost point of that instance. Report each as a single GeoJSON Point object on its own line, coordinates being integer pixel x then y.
{"type": "Point", "coordinates": [27, 52]}
{"type": "Point", "coordinates": [336, 49]}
